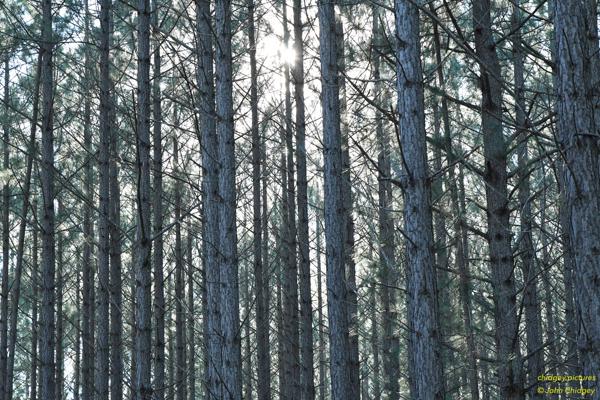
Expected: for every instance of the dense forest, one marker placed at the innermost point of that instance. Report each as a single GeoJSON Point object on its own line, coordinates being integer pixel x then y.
{"type": "Point", "coordinates": [288, 199]}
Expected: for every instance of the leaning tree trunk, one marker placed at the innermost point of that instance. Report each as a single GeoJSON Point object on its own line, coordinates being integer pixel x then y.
{"type": "Point", "coordinates": [510, 375]}
{"type": "Point", "coordinates": [230, 369]}
{"type": "Point", "coordinates": [47, 333]}
{"type": "Point", "coordinates": [424, 352]}
{"type": "Point", "coordinates": [577, 133]}
{"type": "Point", "coordinates": [143, 272]}
{"type": "Point", "coordinates": [335, 223]}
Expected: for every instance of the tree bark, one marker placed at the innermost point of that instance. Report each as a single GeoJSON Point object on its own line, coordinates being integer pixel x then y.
{"type": "Point", "coordinates": [157, 207]}
{"type": "Point", "coordinates": [307, 374]}
{"type": "Point", "coordinates": [387, 258]}
{"type": "Point", "coordinates": [230, 370]}
{"type": "Point", "coordinates": [143, 271]}
{"type": "Point", "coordinates": [335, 223]}
{"type": "Point", "coordinates": [577, 131]}
{"type": "Point", "coordinates": [509, 368]}
{"type": "Point", "coordinates": [424, 352]}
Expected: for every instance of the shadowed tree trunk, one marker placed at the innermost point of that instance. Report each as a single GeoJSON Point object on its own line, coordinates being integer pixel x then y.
{"type": "Point", "coordinates": [47, 332]}
{"type": "Point", "coordinates": [509, 368]}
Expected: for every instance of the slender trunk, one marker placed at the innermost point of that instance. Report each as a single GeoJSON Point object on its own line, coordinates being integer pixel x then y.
{"type": "Point", "coordinates": [509, 368]}
{"type": "Point", "coordinates": [533, 323]}
{"type": "Point", "coordinates": [59, 351]}
{"type": "Point", "coordinates": [262, 318]}
{"type": "Point", "coordinates": [35, 281]}
{"type": "Point", "coordinates": [335, 223]}
{"type": "Point", "coordinates": [88, 292]}
{"type": "Point", "coordinates": [461, 238]}
{"type": "Point", "coordinates": [247, 358]}
{"type": "Point", "coordinates": [307, 374]}
{"type": "Point", "coordinates": [102, 300]}
{"type": "Point", "coordinates": [4, 384]}
{"type": "Point", "coordinates": [157, 207]}
{"type": "Point", "coordinates": [180, 366]}
{"type": "Point", "coordinates": [352, 295]}
{"type": "Point", "coordinates": [375, 343]}
{"type": "Point", "coordinates": [116, 283]}
{"type": "Point", "coordinates": [291, 350]}
{"type": "Point", "coordinates": [47, 334]}
{"type": "Point", "coordinates": [143, 271]}
{"type": "Point", "coordinates": [230, 370]}
{"type": "Point", "coordinates": [322, 361]}
{"type": "Point", "coordinates": [16, 290]}
{"type": "Point", "coordinates": [191, 361]}
{"type": "Point", "coordinates": [424, 350]}
{"type": "Point", "coordinates": [282, 258]}
{"type": "Point", "coordinates": [210, 172]}
{"type": "Point", "coordinates": [387, 258]}
{"type": "Point", "coordinates": [577, 128]}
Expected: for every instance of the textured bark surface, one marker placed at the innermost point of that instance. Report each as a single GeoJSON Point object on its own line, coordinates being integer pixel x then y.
{"type": "Point", "coordinates": [47, 317]}
{"type": "Point", "coordinates": [390, 342]}
{"type": "Point", "coordinates": [533, 322]}
{"type": "Point", "coordinates": [101, 377]}
{"type": "Point", "coordinates": [157, 214]}
{"type": "Point", "coordinates": [335, 223]}
{"type": "Point", "coordinates": [307, 375]}
{"type": "Point", "coordinates": [230, 369]}
{"type": "Point", "coordinates": [180, 365]}
{"type": "Point", "coordinates": [5, 233]}
{"type": "Point", "coordinates": [578, 140]}
{"type": "Point", "coordinates": [424, 350]}
{"type": "Point", "coordinates": [143, 244]}
{"type": "Point", "coordinates": [509, 368]}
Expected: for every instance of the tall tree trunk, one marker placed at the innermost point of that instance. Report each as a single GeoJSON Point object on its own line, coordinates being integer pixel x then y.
{"type": "Point", "coordinates": [4, 384]}
{"type": "Point", "coordinates": [102, 305]}
{"type": "Point", "coordinates": [143, 271]}
{"type": "Point", "coordinates": [533, 323]}
{"type": "Point", "coordinates": [191, 361]}
{"type": "Point", "coordinates": [262, 313]}
{"type": "Point", "coordinates": [230, 370]}
{"type": "Point", "coordinates": [180, 367]}
{"type": "Point", "coordinates": [47, 334]}
{"type": "Point", "coordinates": [577, 131]}
{"type": "Point", "coordinates": [291, 349]}
{"type": "Point", "coordinates": [210, 165]}
{"type": "Point", "coordinates": [116, 283]}
{"type": "Point", "coordinates": [461, 239]}
{"type": "Point", "coordinates": [352, 295]}
{"type": "Point", "coordinates": [307, 374]}
{"type": "Point", "coordinates": [335, 223]}
{"type": "Point", "coordinates": [59, 351]}
{"type": "Point", "coordinates": [387, 258]}
{"type": "Point", "coordinates": [320, 320]}
{"type": "Point", "coordinates": [424, 352]}
{"type": "Point", "coordinates": [35, 282]}
{"type": "Point", "coordinates": [157, 207]}
{"type": "Point", "coordinates": [88, 292]}
{"type": "Point", "coordinates": [375, 343]}
{"type": "Point", "coordinates": [510, 375]}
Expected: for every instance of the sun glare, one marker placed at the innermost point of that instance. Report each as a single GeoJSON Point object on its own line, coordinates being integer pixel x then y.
{"type": "Point", "coordinates": [272, 48]}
